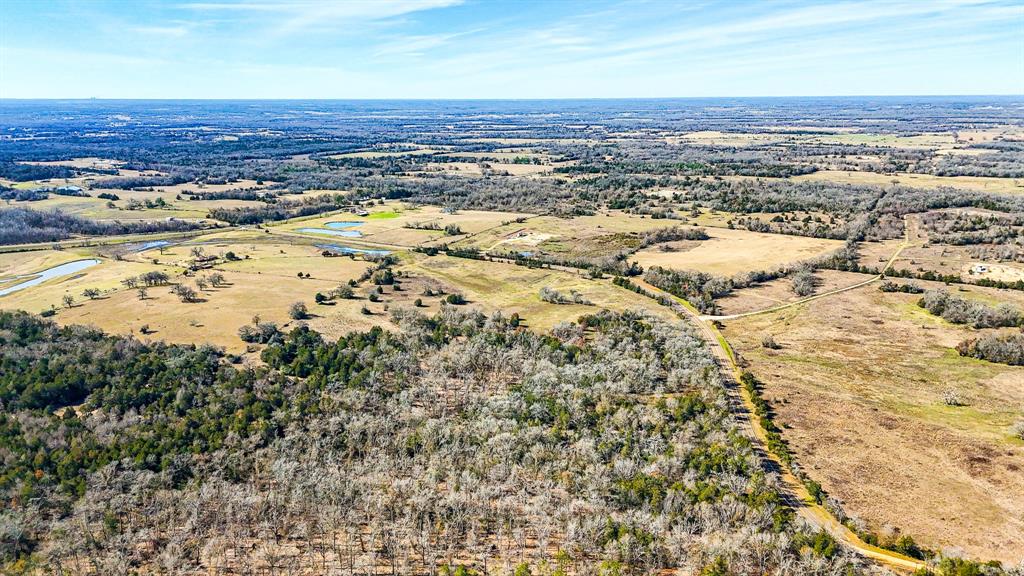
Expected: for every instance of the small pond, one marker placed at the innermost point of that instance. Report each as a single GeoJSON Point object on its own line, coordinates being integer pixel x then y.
{"type": "Point", "coordinates": [336, 229]}
{"type": "Point", "coordinates": [50, 273]}
{"type": "Point", "coordinates": [350, 250]}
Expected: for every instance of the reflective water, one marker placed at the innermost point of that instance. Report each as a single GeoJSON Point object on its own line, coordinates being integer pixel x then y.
{"type": "Point", "coordinates": [336, 229]}
{"type": "Point", "coordinates": [350, 250]}
{"type": "Point", "coordinates": [50, 273]}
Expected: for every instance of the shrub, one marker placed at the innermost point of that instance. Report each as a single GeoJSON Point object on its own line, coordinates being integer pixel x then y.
{"type": "Point", "coordinates": [959, 310]}
{"type": "Point", "coordinates": [952, 398]}
{"type": "Point", "coordinates": [1018, 429]}
{"type": "Point", "coordinates": [1008, 349]}
{"type": "Point", "coordinates": [553, 296]}
{"type": "Point", "coordinates": [298, 311]}
{"type": "Point", "coordinates": [260, 333]}
{"type": "Point", "coordinates": [804, 281]}
{"type": "Point", "coordinates": [185, 293]}
{"type": "Point", "coordinates": [908, 288]}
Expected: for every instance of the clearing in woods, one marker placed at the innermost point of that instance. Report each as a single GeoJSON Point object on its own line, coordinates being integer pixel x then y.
{"type": "Point", "coordinates": [728, 252]}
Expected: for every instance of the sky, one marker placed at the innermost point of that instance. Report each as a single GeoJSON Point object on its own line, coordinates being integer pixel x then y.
{"type": "Point", "coordinates": [508, 49]}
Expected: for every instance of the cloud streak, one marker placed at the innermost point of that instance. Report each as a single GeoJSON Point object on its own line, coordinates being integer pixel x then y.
{"type": "Point", "coordinates": [432, 48]}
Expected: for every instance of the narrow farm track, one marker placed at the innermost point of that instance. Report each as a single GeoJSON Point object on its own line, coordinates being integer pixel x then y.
{"type": "Point", "coordinates": [906, 243]}
{"type": "Point", "coordinates": [805, 505]}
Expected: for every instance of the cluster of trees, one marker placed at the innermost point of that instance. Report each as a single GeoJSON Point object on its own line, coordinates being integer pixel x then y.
{"type": "Point", "coordinates": [904, 287]}
{"type": "Point", "coordinates": [552, 296]}
{"type": "Point", "coordinates": [698, 288]}
{"type": "Point", "coordinates": [23, 195]}
{"type": "Point", "coordinates": [967, 228]}
{"type": "Point", "coordinates": [960, 310]}
{"type": "Point", "coordinates": [260, 332]}
{"type": "Point", "coordinates": [20, 172]}
{"type": "Point", "coordinates": [281, 210]}
{"type": "Point", "coordinates": [804, 282]}
{"type": "Point", "coordinates": [1003, 349]}
{"type": "Point", "coordinates": [24, 226]}
{"type": "Point", "coordinates": [671, 234]}
{"type": "Point", "coordinates": [253, 194]}
{"type": "Point", "coordinates": [146, 279]}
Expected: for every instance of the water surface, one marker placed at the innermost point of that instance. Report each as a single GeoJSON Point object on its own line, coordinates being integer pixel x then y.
{"type": "Point", "coordinates": [48, 274]}
{"type": "Point", "coordinates": [350, 250]}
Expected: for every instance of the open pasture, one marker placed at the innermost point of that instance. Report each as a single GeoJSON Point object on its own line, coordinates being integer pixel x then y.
{"type": "Point", "coordinates": [858, 386]}
{"type": "Point", "coordinates": [91, 162]}
{"type": "Point", "coordinates": [780, 292]}
{"type": "Point", "coordinates": [728, 252]}
{"type": "Point", "coordinates": [491, 168]}
{"type": "Point", "coordinates": [580, 236]}
{"type": "Point", "coordinates": [105, 277]}
{"type": "Point", "coordinates": [399, 224]}
{"type": "Point", "coordinates": [515, 289]}
{"type": "Point", "coordinates": [972, 183]}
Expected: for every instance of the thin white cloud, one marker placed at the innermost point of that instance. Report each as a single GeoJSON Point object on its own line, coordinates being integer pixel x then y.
{"type": "Point", "coordinates": [417, 45]}
{"type": "Point", "coordinates": [320, 14]}
{"type": "Point", "coordinates": [167, 31]}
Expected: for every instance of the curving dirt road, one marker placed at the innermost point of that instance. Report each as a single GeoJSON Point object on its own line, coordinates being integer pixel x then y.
{"type": "Point", "coordinates": [805, 506]}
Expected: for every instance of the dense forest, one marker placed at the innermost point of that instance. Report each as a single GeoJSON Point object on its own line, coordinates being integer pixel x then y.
{"type": "Point", "coordinates": [460, 443]}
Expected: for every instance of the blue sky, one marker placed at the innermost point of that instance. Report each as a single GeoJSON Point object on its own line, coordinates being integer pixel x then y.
{"type": "Point", "coordinates": [492, 49]}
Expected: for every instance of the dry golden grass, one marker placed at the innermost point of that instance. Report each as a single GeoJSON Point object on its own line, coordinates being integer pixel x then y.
{"type": "Point", "coordinates": [386, 224]}
{"type": "Point", "coordinates": [973, 183]}
{"type": "Point", "coordinates": [105, 277]}
{"type": "Point", "coordinates": [89, 162]}
{"type": "Point", "coordinates": [482, 167]}
{"type": "Point", "coordinates": [930, 140]}
{"type": "Point", "coordinates": [858, 385]}
{"type": "Point", "coordinates": [581, 236]}
{"type": "Point", "coordinates": [510, 288]}
{"type": "Point", "coordinates": [778, 292]}
{"type": "Point", "coordinates": [728, 252]}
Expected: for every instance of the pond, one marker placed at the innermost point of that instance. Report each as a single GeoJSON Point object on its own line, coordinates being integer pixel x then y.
{"type": "Point", "coordinates": [50, 273]}
{"type": "Point", "coordinates": [151, 245]}
{"type": "Point", "coordinates": [335, 229]}
{"type": "Point", "coordinates": [350, 250]}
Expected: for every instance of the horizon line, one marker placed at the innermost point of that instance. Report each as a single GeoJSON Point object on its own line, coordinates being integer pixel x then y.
{"type": "Point", "coordinates": [510, 99]}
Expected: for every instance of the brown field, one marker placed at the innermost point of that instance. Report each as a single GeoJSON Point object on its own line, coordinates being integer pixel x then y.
{"type": "Point", "coordinates": [266, 285]}
{"type": "Point", "coordinates": [779, 292]}
{"type": "Point", "coordinates": [578, 237]}
{"type": "Point", "coordinates": [728, 252]}
{"type": "Point", "coordinates": [105, 276]}
{"type": "Point", "coordinates": [511, 288]}
{"type": "Point", "coordinates": [863, 411]}
{"type": "Point", "coordinates": [482, 167]}
{"type": "Point", "coordinates": [932, 140]}
{"type": "Point", "coordinates": [947, 259]}
{"type": "Point", "coordinates": [90, 162]}
{"type": "Point", "coordinates": [973, 183]}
